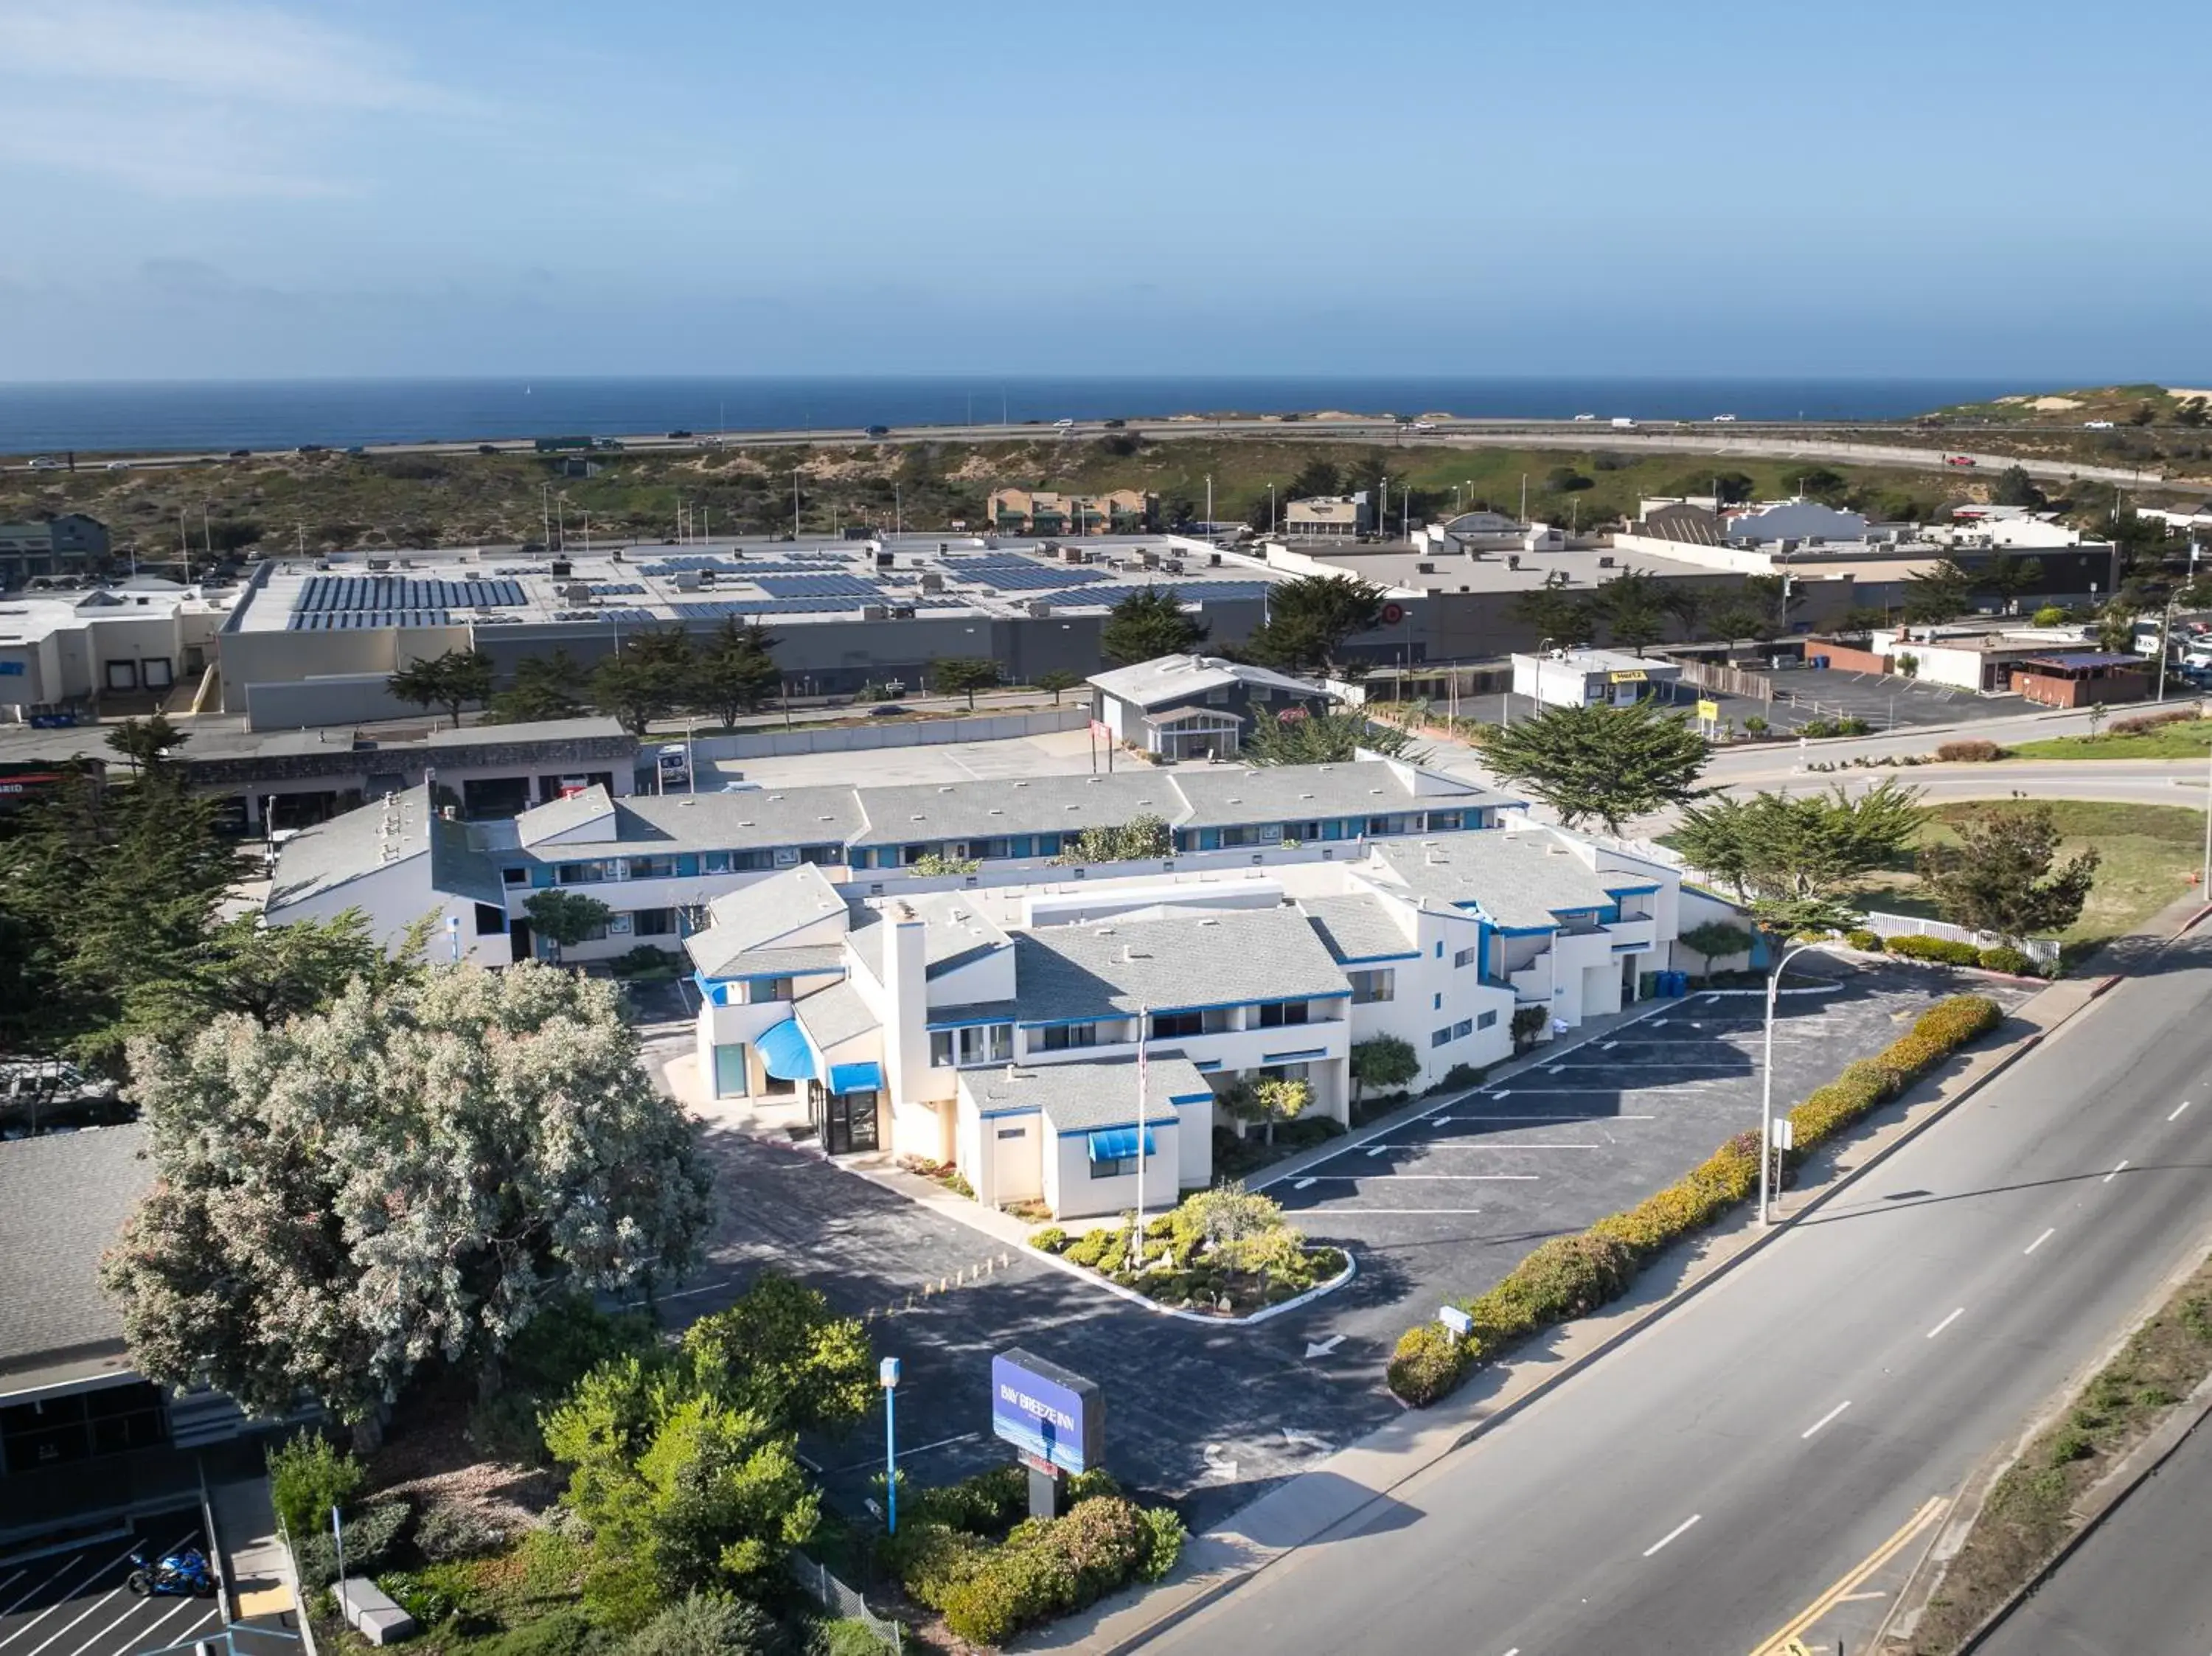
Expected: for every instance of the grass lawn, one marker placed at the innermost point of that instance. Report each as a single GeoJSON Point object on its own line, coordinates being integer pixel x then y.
{"type": "Point", "coordinates": [2191, 740]}
{"type": "Point", "coordinates": [2148, 852]}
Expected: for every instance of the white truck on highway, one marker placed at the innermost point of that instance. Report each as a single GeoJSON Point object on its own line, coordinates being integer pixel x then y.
{"type": "Point", "coordinates": [1619, 424]}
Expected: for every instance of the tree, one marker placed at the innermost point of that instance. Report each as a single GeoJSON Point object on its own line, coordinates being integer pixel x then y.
{"type": "Point", "coordinates": [2115, 625]}
{"type": "Point", "coordinates": [1798, 859]}
{"type": "Point", "coordinates": [1688, 605]}
{"type": "Point", "coordinates": [1268, 1101]}
{"type": "Point", "coordinates": [736, 673]}
{"type": "Point", "coordinates": [780, 1352]}
{"type": "Point", "coordinates": [1318, 478]}
{"type": "Point", "coordinates": [2009, 576]}
{"type": "Point", "coordinates": [1612, 763]}
{"type": "Point", "coordinates": [1295, 736]}
{"type": "Point", "coordinates": [2004, 876]}
{"type": "Point", "coordinates": [1146, 624]}
{"type": "Point", "coordinates": [1551, 614]}
{"type": "Point", "coordinates": [543, 688]}
{"type": "Point", "coordinates": [648, 678]}
{"type": "Point", "coordinates": [1058, 681]}
{"type": "Point", "coordinates": [565, 919]}
{"type": "Point", "coordinates": [269, 972]}
{"type": "Point", "coordinates": [1716, 940]}
{"type": "Point", "coordinates": [2014, 487]}
{"type": "Point", "coordinates": [450, 680]}
{"type": "Point", "coordinates": [1309, 619]}
{"type": "Point", "coordinates": [1774, 598]}
{"type": "Point", "coordinates": [1382, 1061]}
{"type": "Point", "coordinates": [146, 742]}
{"type": "Point", "coordinates": [404, 1177]}
{"type": "Point", "coordinates": [1633, 611]}
{"type": "Point", "coordinates": [2049, 616]}
{"type": "Point", "coordinates": [1937, 593]}
{"type": "Point", "coordinates": [1141, 839]}
{"type": "Point", "coordinates": [958, 675]}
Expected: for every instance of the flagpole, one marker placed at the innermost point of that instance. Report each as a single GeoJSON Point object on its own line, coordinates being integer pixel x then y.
{"type": "Point", "coordinates": [1137, 1246]}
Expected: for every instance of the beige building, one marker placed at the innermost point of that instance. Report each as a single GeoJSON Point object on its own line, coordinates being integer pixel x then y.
{"type": "Point", "coordinates": [1039, 512]}
{"type": "Point", "coordinates": [1324, 518]}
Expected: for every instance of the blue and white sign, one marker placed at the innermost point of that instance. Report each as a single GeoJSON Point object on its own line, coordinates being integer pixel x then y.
{"type": "Point", "coordinates": [1046, 1412]}
{"type": "Point", "coordinates": [1457, 1320]}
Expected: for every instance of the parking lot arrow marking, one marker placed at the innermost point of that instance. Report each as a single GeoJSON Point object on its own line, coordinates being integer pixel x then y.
{"type": "Point", "coordinates": [1317, 1349]}
{"type": "Point", "coordinates": [1296, 1439]}
{"type": "Point", "coordinates": [1379, 1150]}
{"type": "Point", "coordinates": [1608, 1046]}
{"type": "Point", "coordinates": [1302, 1184]}
{"type": "Point", "coordinates": [1220, 1464]}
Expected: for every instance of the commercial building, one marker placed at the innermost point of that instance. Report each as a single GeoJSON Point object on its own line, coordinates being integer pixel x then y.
{"type": "Point", "coordinates": [2083, 679]}
{"type": "Point", "coordinates": [998, 1029]}
{"type": "Point", "coordinates": [1190, 706]}
{"type": "Point", "coordinates": [1040, 512]}
{"type": "Point", "coordinates": [657, 860]}
{"type": "Point", "coordinates": [89, 651]}
{"type": "Point", "coordinates": [1977, 657]}
{"type": "Point", "coordinates": [1327, 517]}
{"type": "Point", "coordinates": [1593, 678]}
{"type": "Point", "coordinates": [70, 544]}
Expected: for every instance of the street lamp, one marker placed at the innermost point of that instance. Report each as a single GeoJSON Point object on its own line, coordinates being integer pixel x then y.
{"type": "Point", "coordinates": [887, 1376]}
{"type": "Point", "coordinates": [1766, 1087]}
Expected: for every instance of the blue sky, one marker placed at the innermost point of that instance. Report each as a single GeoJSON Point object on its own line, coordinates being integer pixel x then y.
{"type": "Point", "coordinates": [1489, 186]}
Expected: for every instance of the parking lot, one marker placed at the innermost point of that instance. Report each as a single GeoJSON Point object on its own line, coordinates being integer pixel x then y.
{"type": "Point", "coordinates": [1884, 700]}
{"type": "Point", "coordinates": [1435, 1207]}
{"type": "Point", "coordinates": [71, 1600]}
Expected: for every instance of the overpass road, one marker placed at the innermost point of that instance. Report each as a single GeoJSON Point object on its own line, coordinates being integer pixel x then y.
{"type": "Point", "coordinates": [1695, 1491]}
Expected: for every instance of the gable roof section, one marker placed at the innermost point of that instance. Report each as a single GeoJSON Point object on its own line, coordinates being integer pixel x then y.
{"type": "Point", "coordinates": [331, 854]}
{"type": "Point", "coordinates": [763, 915]}
{"type": "Point", "coordinates": [1520, 881]}
{"type": "Point", "coordinates": [1085, 1097]}
{"type": "Point", "coordinates": [1037, 804]}
{"type": "Point", "coordinates": [1169, 678]}
{"type": "Point", "coordinates": [62, 1198]}
{"type": "Point", "coordinates": [1359, 928]}
{"type": "Point", "coordinates": [1067, 974]}
{"type": "Point", "coordinates": [581, 818]}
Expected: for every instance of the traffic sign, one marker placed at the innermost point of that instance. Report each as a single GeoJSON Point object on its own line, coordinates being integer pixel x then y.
{"type": "Point", "coordinates": [1708, 710]}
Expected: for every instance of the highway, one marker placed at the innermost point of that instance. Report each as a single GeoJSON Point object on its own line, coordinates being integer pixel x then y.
{"type": "Point", "coordinates": [1811, 440]}
{"type": "Point", "coordinates": [2138, 1586]}
{"type": "Point", "coordinates": [1716, 1481]}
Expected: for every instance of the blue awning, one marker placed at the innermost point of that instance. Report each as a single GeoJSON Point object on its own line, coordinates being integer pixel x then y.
{"type": "Point", "coordinates": [856, 1077]}
{"type": "Point", "coordinates": [1118, 1144]}
{"type": "Point", "coordinates": [786, 1053]}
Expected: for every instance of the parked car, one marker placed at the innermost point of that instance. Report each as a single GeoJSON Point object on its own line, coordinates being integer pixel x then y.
{"type": "Point", "coordinates": [886, 709]}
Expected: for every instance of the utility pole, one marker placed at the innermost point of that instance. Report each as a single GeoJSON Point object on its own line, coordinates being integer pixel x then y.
{"type": "Point", "coordinates": [794, 503]}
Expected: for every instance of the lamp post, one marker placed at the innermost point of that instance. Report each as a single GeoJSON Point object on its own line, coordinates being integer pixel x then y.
{"type": "Point", "coordinates": [1767, 1087]}
{"type": "Point", "coordinates": [887, 1376]}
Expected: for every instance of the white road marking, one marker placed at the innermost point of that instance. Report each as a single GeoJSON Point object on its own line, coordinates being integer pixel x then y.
{"type": "Point", "coordinates": [2040, 1241]}
{"type": "Point", "coordinates": [51, 1608]}
{"type": "Point", "coordinates": [1824, 1419]}
{"type": "Point", "coordinates": [1860, 1597]}
{"type": "Point", "coordinates": [1946, 1322]}
{"type": "Point", "coordinates": [92, 1608]}
{"type": "Point", "coordinates": [2115, 1172]}
{"type": "Point", "coordinates": [1673, 1534]}
{"type": "Point", "coordinates": [1456, 1178]}
{"type": "Point", "coordinates": [919, 1449]}
{"type": "Point", "coordinates": [2176, 1116]}
{"type": "Point", "coordinates": [1553, 1068]}
{"type": "Point", "coordinates": [1336, 1214]}
{"type": "Point", "coordinates": [1320, 1348]}
{"type": "Point", "coordinates": [1302, 1184]}
{"type": "Point", "coordinates": [1379, 1150]}
{"type": "Point", "coordinates": [1606, 1046]}
{"type": "Point", "coordinates": [1483, 1144]}
{"type": "Point", "coordinates": [1581, 1115]}
{"type": "Point", "coordinates": [66, 1566]}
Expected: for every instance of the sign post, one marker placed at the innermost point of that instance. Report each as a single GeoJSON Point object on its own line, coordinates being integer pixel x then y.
{"type": "Point", "coordinates": [887, 1376]}
{"type": "Point", "coordinates": [1055, 1418]}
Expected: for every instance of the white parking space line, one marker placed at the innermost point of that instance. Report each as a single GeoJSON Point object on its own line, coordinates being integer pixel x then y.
{"type": "Point", "coordinates": [1334, 1214]}
{"type": "Point", "coordinates": [2040, 1241]}
{"type": "Point", "coordinates": [1446, 1178]}
{"type": "Point", "coordinates": [1946, 1322]}
{"type": "Point", "coordinates": [1824, 1419]}
{"type": "Point", "coordinates": [2115, 1172]}
{"type": "Point", "coordinates": [1579, 1115]}
{"type": "Point", "coordinates": [89, 1609]}
{"type": "Point", "coordinates": [1302, 1184]}
{"type": "Point", "coordinates": [2176, 1116]}
{"type": "Point", "coordinates": [1484, 1145]}
{"type": "Point", "coordinates": [82, 1582]}
{"type": "Point", "coordinates": [1674, 1534]}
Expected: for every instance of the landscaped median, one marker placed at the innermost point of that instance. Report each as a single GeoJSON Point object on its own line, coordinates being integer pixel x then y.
{"type": "Point", "coordinates": [1571, 1277]}
{"type": "Point", "coordinates": [1223, 1253]}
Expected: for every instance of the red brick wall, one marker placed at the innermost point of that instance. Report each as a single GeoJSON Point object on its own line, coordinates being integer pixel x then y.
{"type": "Point", "coordinates": [1842, 659]}
{"type": "Point", "coordinates": [2080, 692]}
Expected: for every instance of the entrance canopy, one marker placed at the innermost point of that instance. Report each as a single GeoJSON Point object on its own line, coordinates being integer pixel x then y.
{"type": "Point", "coordinates": [785, 1052]}
{"type": "Point", "coordinates": [856, 1078]}
{"type": "Point", "coordinates": [1118, 1144]}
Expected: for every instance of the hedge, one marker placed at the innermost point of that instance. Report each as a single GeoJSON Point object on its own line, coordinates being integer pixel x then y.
{"type": "Point", "coordinates": [1972, 753]}
{"type": "Point", "coordinates": [1944, 950]}
{"type": "Point", "coordinates": [1571, 1277]}
{"type": "Point", "coordinates": [1870, 942]}
{"type": "Point", "coordinates": [2004, 957]}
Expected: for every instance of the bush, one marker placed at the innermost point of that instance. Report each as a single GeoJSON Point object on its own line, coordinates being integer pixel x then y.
{"type": "Point", "coordinates": [2005, 958]}
{"type": "Point", "coordinates": [429, 1603]}
{"type": "Point", "coordinates": [1051, 1239]}
{"type": "Point", "coordinates": [1852, 724]}
{"type": "Point", "coordinates": [308, 1476]}
{"type": "Point", "coordinates": [704, 1625]}
{"type": "Point", "coordinates": [1869, 941]}
{"type": "Point", "coordinates": [1463, 1075]}
{"type": "Point", "coordinates": [1817, 727]}
{"type": "Point", "coordinates": [1969, 753]}
{"type": "Point", "coordinates": [1164, 1535]}
{"type": "Point", "coordinates": [1046, 1567]}
{"type": "Point", "coordinates": [845, 1637]}
{"type": "Point", "coordinates": [1428, 1362]}
{"type": "Point", "coordinates": [1946, 950]}
{"type": "Point", "coordinates": [2144, 723]}
{"type": "Point", "coordinates": [370, 1538]}
{"type": "Point", "coordinates": [1566, 1277]}
{"type": "Point", "coordinates": [455, 1531]}
{"type": "Point", "coordinates": [644, 961]}
{"type": "Point", "coordinates": [562, 1632]}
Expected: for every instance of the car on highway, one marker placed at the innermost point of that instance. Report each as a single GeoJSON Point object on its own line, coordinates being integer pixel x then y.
{"type": "Point", "coordinates": [1063, 425]}
{"type": "Point", "coordinates": [677, 434]}
{"type": "Point", "coordinates": [46, 463]}
{"type": "Point", "coordinates": [1118, 425]}
{"type": "Point", "coordinates": [1958, 459]}
{"type": "Point", "coordinates": [1724, 419]}
{"type": "Point", "coordinates": [487, 448]}
{"type": "Point", "coordinates": [877, 431]}
{"type": "Point", "coordinates": [310, 448]}
{"type": "Point", "coordinates": [1585, 419]}
{"type": "Point", "coordinates": [2096, 425]}
{"type": "Point", "coordinates": [241, 454]}
{"type": "Point", "coordinates": [1425, 425]}
{"type": "Point", "coordinates": [119, 466]}
{"type": "Point", "coordinates": [887, 710]}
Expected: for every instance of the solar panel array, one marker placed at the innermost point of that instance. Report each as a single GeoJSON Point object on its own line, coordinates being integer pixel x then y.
{"type": "Point", "coordinates": [1020, 575]}
{"type": "Point", "coordinates": [717, 607]}
{"type": "Point", "coordinates": [356, 621]}
{"type": "Point", "coordinates": [617, 589]}
{"type": "Point", "coordinates": [821, 586]}
{"type": "Point", "coordinates": [326, 594]}
{"type": "Point", "coordinates": [689, 562]}
{"type": "Point", "coordinates": [1193, 592]}
{"type": "Point", "coordinates": [640, 617]}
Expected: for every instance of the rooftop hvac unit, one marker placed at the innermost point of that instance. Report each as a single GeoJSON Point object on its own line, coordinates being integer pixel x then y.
{"type": "Point", "coordinates": [1173, 565]}
{"type": "Point", "coordinates": [872, 612]}
{"type": "Point", "coordinates": [687, 580]}
{"type": "Point", "coordinates": [1424, 568]}
{"type": "Point", "coordinates": [561, 569]}
{"type": "Point", "coordinates": [901, 612]}
{"type": "Point", "coordinates": [1213, 560]}
{"type": "Point", "coordinates": [883, 560]}
{"type": "Point", "coordinates": [933, 580]}
{"type": "Point", "coordinates": [1512, 559]}
{"type": "Point", "coordinates": [1605, 561]}
{"type": "Point", "coordinates": [1066, 554]}
{"type": "Point", "coordinates": [379, 563]}
{"type": "Point", "coordinates": [576, 593]}
{"type": "Point", "coordinates": [1038, 607]}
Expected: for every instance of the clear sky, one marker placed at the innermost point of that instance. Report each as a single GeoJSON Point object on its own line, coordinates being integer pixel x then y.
{"type": "Point", "coordinates": [201, 188]}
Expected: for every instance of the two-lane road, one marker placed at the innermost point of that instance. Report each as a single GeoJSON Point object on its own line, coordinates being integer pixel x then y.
{"type": "Point", "coordinates": [1694, 1491]}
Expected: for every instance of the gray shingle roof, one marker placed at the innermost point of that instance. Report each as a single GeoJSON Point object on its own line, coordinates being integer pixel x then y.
{"type": "Point", "coordinates": [747, 819]}
{"type": "Point", "coordinates": [62, 1198]}
{"type": "Point", "coordinates": [1039, 804]}
{"type": "Point", "coordinates": [1358, 928]}
{"type": "Point", "coordinates": [835, 1015]}
{"type": "Point", "coordinates": [1520, 880]}
{"type": "Point", "coordinates": [1111, 970]}
{"type": "Point", "coordinates": [755, 916]}
{"type": "Point", "coordinates": [955, 932]}
{"type": "Point", "coordinates": [1084, 1097]}
{"type": "Point", "coordinates": [1170, 678]}
{"type": "Point", "coordinates": [459, 869]}
{"type": "Point", "coordinates": [541, 822]}
{"type": "Point", "coordinates": [1222, 795]}
{"type": "Point", "coordinates": [321, 859]}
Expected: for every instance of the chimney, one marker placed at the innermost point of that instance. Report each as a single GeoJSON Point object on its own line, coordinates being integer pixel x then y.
{"type": "Point", "coordinates": [906, 1021]}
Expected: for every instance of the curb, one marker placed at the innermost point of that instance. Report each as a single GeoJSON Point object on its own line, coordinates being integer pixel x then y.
{"type": "Point", "coordinates": [1755, 1243]}
{"type": "Point", "coordinates": [1085, 1274]}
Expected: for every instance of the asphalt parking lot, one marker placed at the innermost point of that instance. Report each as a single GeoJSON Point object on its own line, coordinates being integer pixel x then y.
{"type": "Point", "coordinates": [71, 1600]}
{"type": "Point", "coordinates": [1445, 1204]}
{"type": "Point", "coordinates": [1437, 1207]}
{"type": "Point", "coordinates": [1884, 700]}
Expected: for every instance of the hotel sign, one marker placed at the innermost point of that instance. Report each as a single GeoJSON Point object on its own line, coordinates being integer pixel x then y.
{"type": "Point", "coordinates": [1052, 1415]}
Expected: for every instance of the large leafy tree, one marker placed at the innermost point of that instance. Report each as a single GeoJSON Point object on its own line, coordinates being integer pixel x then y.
{"type": "Point", "coordinates": [405, 1177]}
{"type": "Point", "coordinates": [1937, 593]}
{"type": "Point", "coordinates": [565, 919]}
{"type": "Point", "coordinates": [146, 743]}
{"type": "Point", "coordinates": [1295, 736]}
{"type": "Point", "coordinates": [1308, 620]}
{"type": "Point", "coordinates": [1634, 610]}
{"type": "Point", "coordinates": [964, 674]}
{"type": "Point", "coordinates": [1610, 763]}
{"type": "Point", "coordinates": [1798, 859]}
{"type": "Point", "coordinates": [543, 688]}
{"type": "Point", "coordinates": [735, 673]}
{"type": "Point", "coordinates": [450, 680]}
{"type": "Point", "coordinates": [1148, 623]}
{"type": "Point", "coordinates": [649, 678]}
{"type": "Point", "coordinates": [2004, 875]}
{"type": "Point", "coordinates": [1551, 613]}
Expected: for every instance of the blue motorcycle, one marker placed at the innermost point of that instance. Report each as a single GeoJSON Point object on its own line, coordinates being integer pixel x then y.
{"type": "Point", "coordinates": [182, 1574]}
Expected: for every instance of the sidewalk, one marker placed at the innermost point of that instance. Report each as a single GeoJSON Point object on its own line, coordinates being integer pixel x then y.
{"type": "Point", "coordinates": [257, 1571]}
{"type": "Point", "coordinates": [1309, 1507]}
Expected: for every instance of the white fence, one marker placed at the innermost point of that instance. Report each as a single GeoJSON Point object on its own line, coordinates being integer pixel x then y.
{"type": "Point", "coordinates": [2042, 950]}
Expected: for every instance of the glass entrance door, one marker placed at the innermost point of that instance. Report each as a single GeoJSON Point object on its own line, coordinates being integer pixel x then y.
{"type": "Point", "coordinates": [848, 1122]}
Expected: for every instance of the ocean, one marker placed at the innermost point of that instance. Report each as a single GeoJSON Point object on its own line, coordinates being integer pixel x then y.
{"type": "Point", "coordinates": [122, 417]}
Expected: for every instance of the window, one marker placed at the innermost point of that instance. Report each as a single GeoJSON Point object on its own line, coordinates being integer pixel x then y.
{"type": "Point", "coordinates": [978, 1043]}
{"type": "Point", "coordinates": [1463, 1030]}
{"type": "Point", "coordinates": [716, 861]}
{"type": "Point", "coordinates": [1487, 1021]}
{"type": "Point", "coordinates": [1168, 1026]}
{"type": "Point", "coordinates": [1066, 1037]}
{"type": "Point", "coordinates": [489, 919]}
{"type": "Point", "coordinates": [766, 989]}
{"type": "Point", "coordinates": [941, 1049]}
{"type": "Point", "coordinates": [515, 875]}
{"type": "Point", "coordinates": [1436, 1002]}
{"type": "Point", "coordinates": [1122, 1167]}
{"type": "Point", "coordinates": [1240, 836]}
{"type": "Point", "coordinates": [1439, 1037]}
{"type": "Point", "coordinates": [652, 922]}
{"type": "Point", "coordinates": [1013, 1132]}
{"type": "Point", "coordinates": [1367, 987]}
{"type": "Point", "coordinates": [652, 868]}
{"type": "Point", "coordinates": [581, 873]}
{"type": "Point", "coordinates": [1465, 957]}
{"type": "Point", "coordinates": [1280, 1013]}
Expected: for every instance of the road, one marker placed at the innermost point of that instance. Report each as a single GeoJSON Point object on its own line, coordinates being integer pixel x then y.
{"type": "Point", "coordinates": [1691, 1494]}
{"type": "Point", "coordinates": [2138, 1586]}
{"type": "Point", "coordinates": [1774, 440]}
